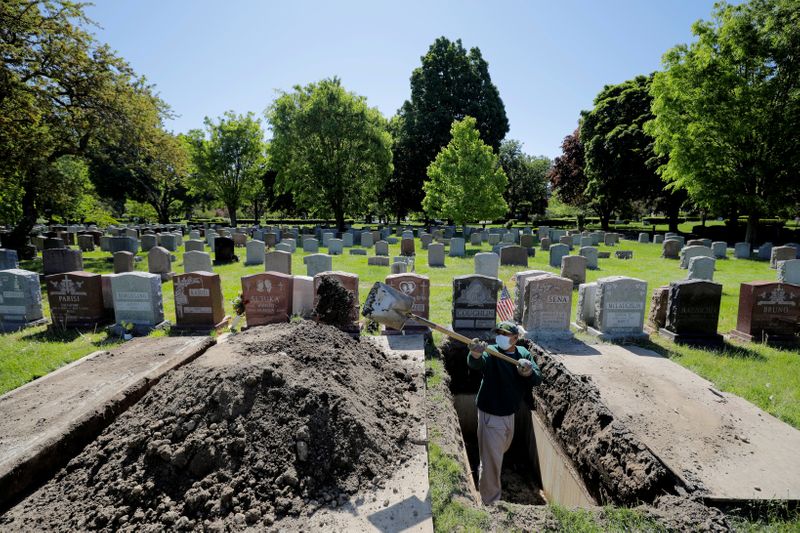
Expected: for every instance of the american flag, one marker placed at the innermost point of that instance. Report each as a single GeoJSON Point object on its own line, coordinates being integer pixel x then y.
{"type": "Point", "coordinates": [505, 305]}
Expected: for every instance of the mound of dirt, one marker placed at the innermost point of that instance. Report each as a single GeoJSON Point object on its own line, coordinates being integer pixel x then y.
{"type": "Point", "coordinates": [297, 417]}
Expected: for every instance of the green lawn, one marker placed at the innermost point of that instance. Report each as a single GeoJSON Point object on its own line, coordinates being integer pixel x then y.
{"type": "Point", "coordinates": [768, 377]}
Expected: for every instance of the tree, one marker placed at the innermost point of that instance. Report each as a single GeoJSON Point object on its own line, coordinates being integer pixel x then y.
{"type": "Point", "coordinates": [526, 193]}
{"type": "Point", "coordinates": [59, 89]}
{"type": "Point", "coordinates": [229, 159]}
{"type": "Point", "coordinates": [620, 162]}
{"type": "Point", "coordinates": [450, 84]}
{"type": "Point", "coordinates": [727, 111]}
{"type": "Point", "coordinates": [567, 176]}
{"type": "Point", "coordinates": [331, 151]}
{"type": "Point", "coordinates": [466, 180]}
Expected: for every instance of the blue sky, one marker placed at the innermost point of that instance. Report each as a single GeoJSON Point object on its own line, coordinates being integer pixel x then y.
{"type": "Point", "coordinates": [548, 59]}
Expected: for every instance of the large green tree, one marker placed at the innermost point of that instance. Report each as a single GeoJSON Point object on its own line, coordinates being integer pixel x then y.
{"type": "Point", "coordinates": [620, 161]}
{"type": "Point", "coordinates": [526, 193]}
{"type": "Point", "coordinates": [727, 111]}
{"type": "Point", "coordinates": [59, 91]}
{"type": "Point", "coordinates": [229, 160]}
{"type": "Point", "coordinates": [331, 150]}
{"type": "Point", "coordinates": [466, 180]}
{"type": "Point", "coordinates": [451, 83]}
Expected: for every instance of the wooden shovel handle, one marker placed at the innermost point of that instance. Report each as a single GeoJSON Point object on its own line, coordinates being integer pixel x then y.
{"type": "Point", "coordinates": [462, 338]}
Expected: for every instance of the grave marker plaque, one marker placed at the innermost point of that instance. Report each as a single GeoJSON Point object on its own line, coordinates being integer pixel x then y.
{"type": "Point", "coordinates": [418, 288]}
{"type": "Point", "coordinates": [224, 251]}
{"type": "Point", "coordinates": [138, 300]}
{"type": "Point", "coordinates": [20, 300]}
{"type": "Point", "coordinates": [619, 307]}
{"type": "Point", "coordinates": [548, 307]}
{"type": "Point", "coordinates": [198, 301]}
{"type": "Point", "coordinates": [693, 312]}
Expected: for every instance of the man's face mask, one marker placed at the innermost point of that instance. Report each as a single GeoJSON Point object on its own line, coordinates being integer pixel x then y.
{"type": "Point", "coordinates": [503, 342]}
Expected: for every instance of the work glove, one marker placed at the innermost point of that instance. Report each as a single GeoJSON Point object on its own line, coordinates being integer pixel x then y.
{"type": "Point", "coordinates": [524, 368]}
{"type": "Point", "coordinates": [477, 347]}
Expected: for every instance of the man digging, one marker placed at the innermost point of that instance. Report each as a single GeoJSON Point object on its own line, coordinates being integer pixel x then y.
{"type": "Point", "coordinates": [502, 389]}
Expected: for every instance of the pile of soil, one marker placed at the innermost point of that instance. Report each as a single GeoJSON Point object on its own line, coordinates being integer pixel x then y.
{"type": "Point", "coordinates": [302, 418]}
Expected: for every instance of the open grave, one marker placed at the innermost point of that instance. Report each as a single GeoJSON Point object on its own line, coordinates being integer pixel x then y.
{"type": "Point", "coordinates": [286, 426]}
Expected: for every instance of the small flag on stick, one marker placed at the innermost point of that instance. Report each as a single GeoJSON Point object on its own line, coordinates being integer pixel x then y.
{"type": "Point", "coordinates": [505, 305]}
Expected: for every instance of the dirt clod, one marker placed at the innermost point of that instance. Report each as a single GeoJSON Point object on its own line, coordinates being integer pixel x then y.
{"type": "Point", "coordinates": [221, 447]}
{"type": "Point", "coordinates": [335, 303]}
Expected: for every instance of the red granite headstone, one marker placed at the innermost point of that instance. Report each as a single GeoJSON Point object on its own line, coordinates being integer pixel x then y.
{"type": "Point", "coordinates": [267, 298]}
{"type": "Point", "coordinates": [769, 312]}
{"type": "Point", "coordinates": [76, 299]}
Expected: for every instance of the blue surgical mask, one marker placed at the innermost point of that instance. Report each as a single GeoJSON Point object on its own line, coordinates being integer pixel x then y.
{"type": "Point", "coordinates": [503, 342]}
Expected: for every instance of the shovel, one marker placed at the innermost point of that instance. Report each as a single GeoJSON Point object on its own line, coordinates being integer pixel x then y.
{"type": "Point", "coordinates": [392, 308]}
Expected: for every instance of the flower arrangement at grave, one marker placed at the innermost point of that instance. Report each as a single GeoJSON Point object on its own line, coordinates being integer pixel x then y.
{"type": "Point", "coordinates": [238, 307]}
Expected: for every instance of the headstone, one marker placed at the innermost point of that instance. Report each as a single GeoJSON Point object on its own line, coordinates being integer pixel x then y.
{"type": "Point", "coordinates": [557, 251]}
{"type": "Point", "coordinates": [545, 244]}
{"type": "Point", "coordinates": [270, 239]}
{"type": "Point", "coordinates": [326, 237]}
{"type": "Point", "coordinates": [527, 241]}
{"type": "Point", "coordinates": [742, 250]}
{"type": "Point", "coordinates": [644, 238]}
{"type": "Point", "coordinates": [494, 238]}
{"type": "Point", "coordinates": [657, 318]}
{"type": "Point", "coordinates": [694, 251]}
{"type": "Point", "coordinates": [198, 301]}
{"type": "Point", "coordinates": [58, 260]}
{"type": "Point", "coordinates": [197, 262]}
{"type": "Point", "coordinates": [658, 239]}
{"type": "Point", "coordinates": [407, 247]}
{"type": "Point", "coordinates": [520, 284]}
{"type": "Point", "coordinates": [278, 261]}
{"type": "Point", "coordinates": [457, 247]}
{"type": "Point", "coordinates": [53, 243]}
{"type": "Point", "coordinates": [123, 244]}
{"type": "Point", "coordinates": [303, 296]}
{"type": "Point", "coordinates": [781, 253]}
{"type": "Point", "coordinates": [765, 251]}
{"type": "Point", "coordinates": [701, 268]}
{"type": "Point", "coordinates": [85, 243]}
{"type": "Point", "coordinates": [769, 312]}
{"type": "Point", "coordinates": [382, 248]}
{"type": "Point", "coordinates": [418, 288]}
{"type": "Point", "coordinates": [20, 300]}
{"type": "Point", "coordinates": [350, 282]}
{"type": "Point", "coordinates": [335, 247]}
{"type": "Point", "coordinates": [586, 241]}
{"type": "Point", "coordinates": [239, 240]}
{"type": "Point", "coordinates": [671, 249]}
{"type": "Point", "coordinates": [567, 241]}
{"type": "Point", "coordinates": [789, 271]}
{"type": "Point", "coordinates": [398, 267]}
{"type": "Point", "coordinates": [619, 307]}
{"type": "Point", "coordinates": [514, 255]}
{"type": "Point", "coordinates": [693, 312]}
{"type": "Point", "coordinates": [255, 250]}
{"type": "Point", "coordinates": [487, 264]}
{"type": "Point", "coordinates": [195, 245]}
{"type": "Point", "coordinates": [137, 300]}
{"type": "Point", "coordinates": [357, 251]}
{"type": "Point", "coordinates": [425, 239]}
{"type": "Point", "coordinates": [624, 254]}
{"type": "Point", "coordinates": [378, 260]}
{"type": "Point", "coordinates": [474, 305]}
{"type": "Point", "coordinates": [148, 241]}
{"type": "Point", "coordinates": [316, 263]}
{"type": "Point", "coordinates": [311, 245]}
{"type": "Point", "coordinates": [366, 239]}
{"type": "Point", "coordinates": [574, 267]}
{"type": "Point", "coordinates": [719, 249]}
{"type": "Point", "coordinates": [347, 240]}
{"type": "Point", "coordinates": [590, 253]}
{"type": "Point", "coordinates": [159, 262]}
{"type": "Point", "coordinates": [76, 299]}
{"type": "Point", "coordinates": [584, 312]}
{"type": "Point", "coordinates": [610, 239]}
{"type": "Point", "coordinates": [267, 298]}
{"type": "Point", "coordinates": [223, 251]}
{"type": "Point", "coordinates": [8, 259]}
{"type": "Point", "coordinates": [548, 307]}
{"type": "Point", "coordinates": [695, 242]}
{"type": "Point", "coordinates": [436, 255]}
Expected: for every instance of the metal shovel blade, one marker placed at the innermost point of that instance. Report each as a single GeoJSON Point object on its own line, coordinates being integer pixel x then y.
{"type": "Point", "coordinates": [387, 305]}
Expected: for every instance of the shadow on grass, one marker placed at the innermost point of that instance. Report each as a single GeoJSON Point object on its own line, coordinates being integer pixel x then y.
{"type": "Point", "coordinates": [67, 336]}
{"type": "Point", "coordinates": [728, 350]}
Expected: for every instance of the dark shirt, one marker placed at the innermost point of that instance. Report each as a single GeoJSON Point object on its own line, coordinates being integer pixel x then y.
{"type": "Point", "coordinates": [502, 388]}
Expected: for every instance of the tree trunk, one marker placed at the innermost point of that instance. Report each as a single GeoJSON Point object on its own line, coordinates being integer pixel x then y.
{"type": "Point", "coordinates": [752, 226]}
{"type": "Point", "coordinates": [339, 216]}
{"type": "Point", "coordinates": [256, 210]}
{"type": "Point", "coordinates": [18, 238]}
{"type": "Point", "coordinates": [232, 214]}
{"type": "Point", "coordinates": [673, 213]}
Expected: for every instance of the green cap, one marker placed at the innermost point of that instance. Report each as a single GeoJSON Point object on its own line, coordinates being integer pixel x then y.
{"type": "Point", "coordinates": [507, 327]}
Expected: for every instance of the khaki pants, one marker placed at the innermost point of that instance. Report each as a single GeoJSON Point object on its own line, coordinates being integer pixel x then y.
{"type": "Point", "coordinates": [494, 438]}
